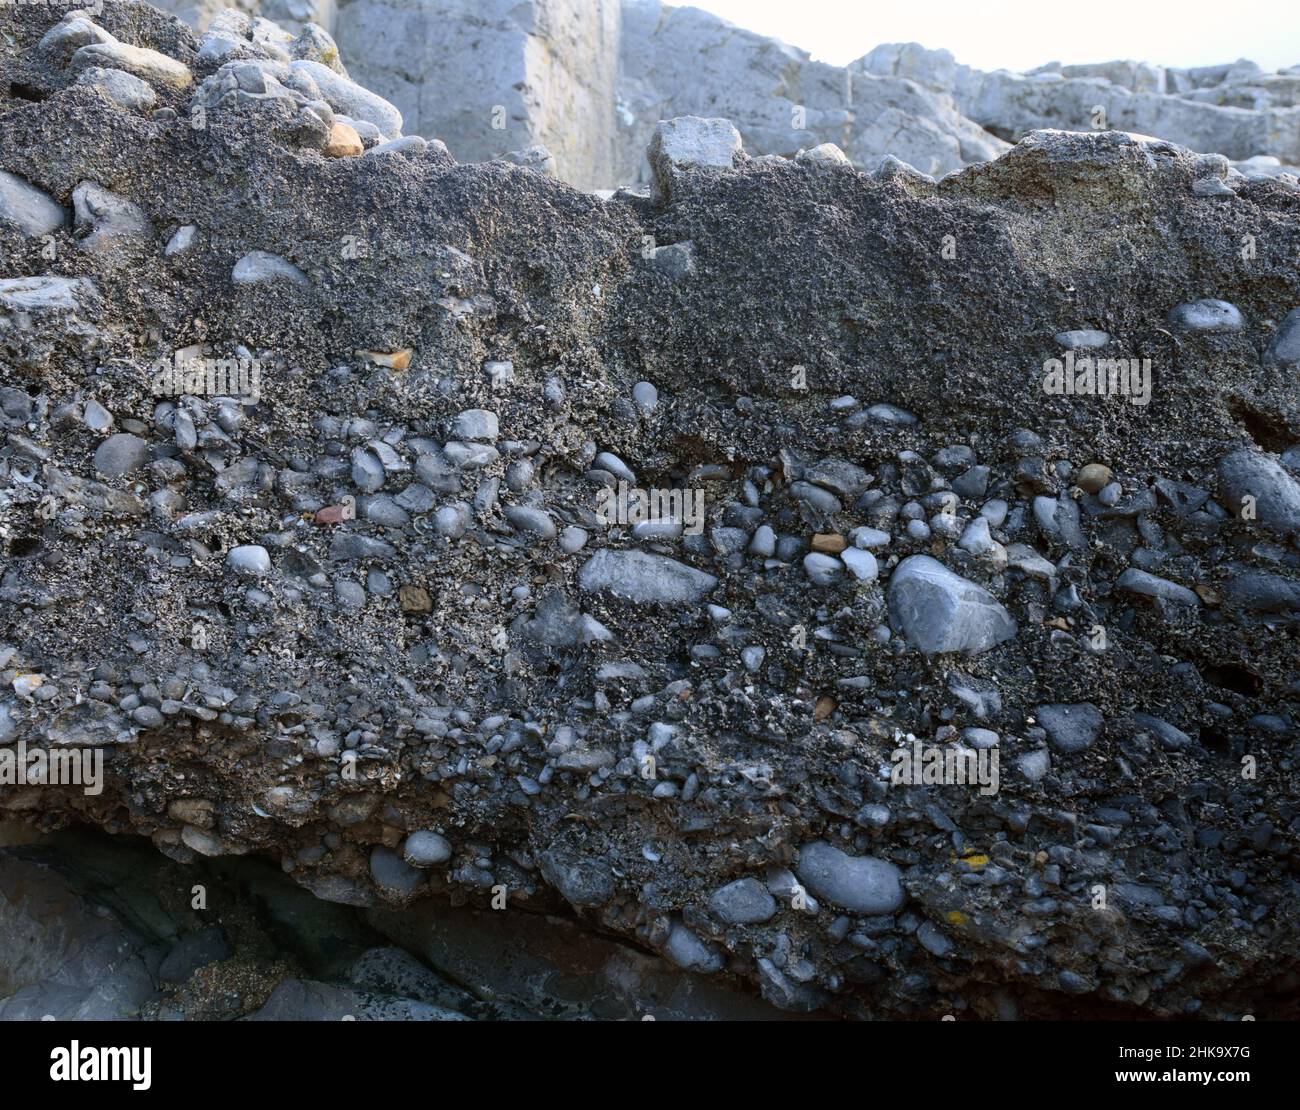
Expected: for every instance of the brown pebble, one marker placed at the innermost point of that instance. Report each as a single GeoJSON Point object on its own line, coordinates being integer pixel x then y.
{"type": "Point", "coordinates": [1093, 478]}
{"type": "Point", "coordinates": [335, 514]}
{"type": "Point", "coordinates": [414, 599]}
{"type": "Point", "coordinates": [829, 543]}
{"type": "Point", "coordinates": [344, 142]}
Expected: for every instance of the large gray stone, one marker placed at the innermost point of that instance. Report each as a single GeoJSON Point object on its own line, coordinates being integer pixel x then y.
{"type": "Point", "coordinates": [690, 144]}
{"type": "Point", "coordinates": [1207, 316]}
{"type": "Point", "coordinates": [108, 220]}
{"type": "Point", "coordinates": [860, 884]}
{"type": "Point", "coordinates": [121, 454]}
{"type": "Point", "coordinates": [1070, 728]}
{"type": "Point", "coordinates": [393, 875]}
{"type": "Point", "coordinates": [351, 99]}
{"type": "Point", "coordinates": [1284, 350]}
{"type": "Point", "coordinates": [1145, 584]}
{"type": "Point", "coordinates": [940, 611]}
{"type": "Point", "coordinates": [582, 880]}
{"type": "Point", "coordinates": [124, 89]}
{"type": "Point", "coordinates": [744, 902]}
{"type": "Point", "coordinates": [45, 294]}
{"type": "Point", "coordinates": [643, 578]}
{"type": "Point", "coordinates": [425, 848]}
{"type": "Point", "coordinates": [690, 953]}
{"type": "Point", "coordinates": [31, 210]}
{"type": "Point", "coordinates": [148, 65]}
{"type": "Point", "coordinates": [1249, 473]}
{"type": "Point", "coordinates": [257, 267]}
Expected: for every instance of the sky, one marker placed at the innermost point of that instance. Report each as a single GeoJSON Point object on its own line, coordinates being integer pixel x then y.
{"type": "Point", "coordinates": [1022, 34]}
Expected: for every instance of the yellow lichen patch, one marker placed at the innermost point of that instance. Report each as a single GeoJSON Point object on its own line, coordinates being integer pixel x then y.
{"type": "Point", "coordinates": [956, 917]}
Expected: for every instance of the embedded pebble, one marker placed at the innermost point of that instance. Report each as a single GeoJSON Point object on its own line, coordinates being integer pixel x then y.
{"type": "Point", "coordinates": [426, 849]}
{"type": "Point", "coordinates": [860, 884]}
{"type": "Point", "coordinates": [744, 902]}
{"type": "Point", "coordinates": [1208, 316]}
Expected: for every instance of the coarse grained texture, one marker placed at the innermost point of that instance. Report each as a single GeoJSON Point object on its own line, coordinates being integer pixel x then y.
{"type": "Point", "coordinates": [386, 675]}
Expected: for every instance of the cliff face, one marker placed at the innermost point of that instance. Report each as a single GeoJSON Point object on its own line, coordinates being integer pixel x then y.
{"type": "Point", "coordinates": [487, 79]}
{"type": "Point", "coordinates": [350, 592]}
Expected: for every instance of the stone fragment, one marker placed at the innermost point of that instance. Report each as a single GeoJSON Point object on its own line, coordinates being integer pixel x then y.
{"type": "Point", "coordinates": [1145, 584]}
{"type": "Point", "coordinates": [1254, 485]}
{"type": "Point", "coordinates": [124, 89]}
{"type": "Point", "coordinates": [31, 210]}
{"type": "Point", "coordinates": [1070, 728]}
{"type": "Point", "coordinates": [148, 65]}
{"type": "Point", "coordinates": [1208, 317]}
{"type": "Point", "coordinates": [939, 611]}
{"type": "Point", "coordinates": [259, 267]}
{"type": "Point", "coordinates": [691, 144]}
{"type": "Point", "coordinates": [426, 849]}
{"type": "Point", "coordinates": [249, 560]}
{"type": "Point", "coordinates": [344, 142]}
{"type": "Point", "coordinates": [744, 902]}
{"type": "Point", "coordinates": [108, 220]}
{"type": "Point", "coordinates": [643, 578]}
{"type": "Point", "coordinates": [121, 454]}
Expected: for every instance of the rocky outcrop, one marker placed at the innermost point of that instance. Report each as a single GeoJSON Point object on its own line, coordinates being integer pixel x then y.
{"type": "Point", "coordinates": [350, 568]}
{"type": "Point", "coordinates": [1236, 110]}
{"type": "Point", "coordinates": [588, 81]}
{"type": "Point", "coordinates": [684, 61]}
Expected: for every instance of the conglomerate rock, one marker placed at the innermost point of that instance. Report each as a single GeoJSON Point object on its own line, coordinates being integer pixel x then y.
{"type": "Point", "coordinates": [265, 550]}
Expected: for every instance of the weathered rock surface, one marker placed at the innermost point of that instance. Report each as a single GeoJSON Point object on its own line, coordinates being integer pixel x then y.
{"type": "Point", "coordinates": [496, 76]}
{"type": "Point", "coordinates": [1235, 110]}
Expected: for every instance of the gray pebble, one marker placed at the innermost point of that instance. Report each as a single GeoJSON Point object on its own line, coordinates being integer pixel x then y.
{"type": "Point", "coordinates": [744, 902]}
{"type": "Point", "coordinates": [121, 454]}
{"type": "Point", "coordinates": [426, 849]}
{"type": "Point", "coordinates": [250, 560]}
